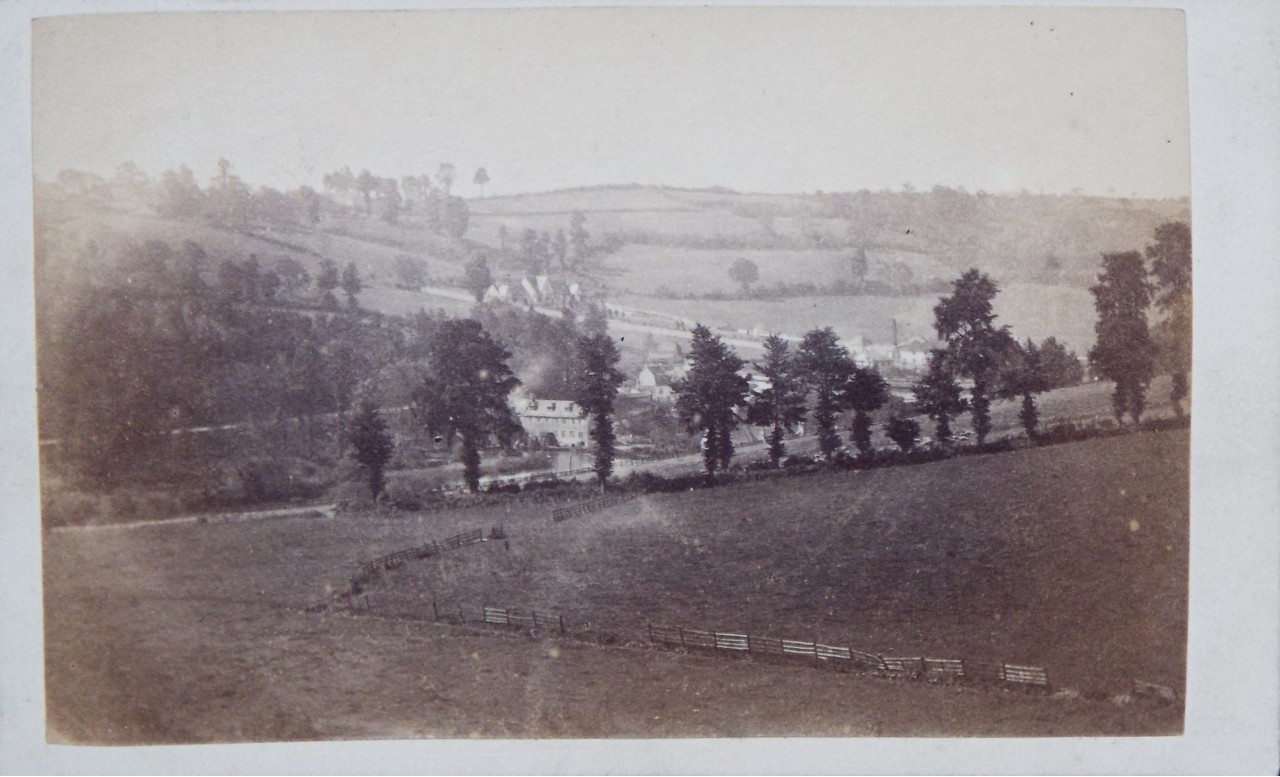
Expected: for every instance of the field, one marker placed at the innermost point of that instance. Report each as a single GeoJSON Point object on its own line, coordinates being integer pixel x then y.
{"type": "Point", "coordinates": [1032, 310]}
{"type": "Point", "coordinates": [1073, 557]}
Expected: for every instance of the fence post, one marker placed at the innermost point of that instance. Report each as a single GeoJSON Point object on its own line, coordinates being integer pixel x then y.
{"type": "Point", "coordinates": [561, 619]}
{"type": "Point", "coordinates": [682, 645]}
{"type": "Point", "coordinates": [650, 632]}
{"type": "Point", "coordinates": [461, 619]}
{"type": "Point", "coordinates": [435, 610]}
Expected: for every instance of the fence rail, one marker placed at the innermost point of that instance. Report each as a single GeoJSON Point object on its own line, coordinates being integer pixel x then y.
{"type": "Point", "coordinates": [426, 550]}
{"type": "Point", "coordinates": [502, 616]}
{"type": "Point", "coordinates": [583, 508]}
{"type": "Point", "coordinates": [932, 669]}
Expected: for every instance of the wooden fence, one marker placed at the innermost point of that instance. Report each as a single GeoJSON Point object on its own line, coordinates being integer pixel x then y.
{"type": "Point", "coordinates": [914, 667]}
{"type": "Point", "coordinates": [583, 508]}
{"type": "Point", "coordinates": [502, 616]}
{"type": "Point", "coordinates": [432, 548]}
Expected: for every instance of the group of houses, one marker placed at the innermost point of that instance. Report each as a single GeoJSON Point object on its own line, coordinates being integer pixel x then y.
{"type": "Point", "coordinates": [539, 290]}
{"type": "Point", "coordinates": [561, 423]}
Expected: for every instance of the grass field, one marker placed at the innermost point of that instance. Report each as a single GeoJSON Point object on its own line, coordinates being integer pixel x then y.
{"type": "Point", "coordinates": [1032, 310]}
{"type": "Point", "coordinates": [194, 632]}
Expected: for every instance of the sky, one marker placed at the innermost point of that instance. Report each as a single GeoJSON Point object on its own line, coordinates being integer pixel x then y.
{"type": "Point", "coordinates": [756, 99]}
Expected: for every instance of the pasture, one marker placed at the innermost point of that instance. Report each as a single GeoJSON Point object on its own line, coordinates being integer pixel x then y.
{"type": "Point", "coordinates": [1032, 310]}
{"type": "Point", "coordinates": [1072, 557]}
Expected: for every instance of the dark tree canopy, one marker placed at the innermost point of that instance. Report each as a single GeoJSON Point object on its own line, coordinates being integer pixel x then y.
{"type": "Point", "coordinates": [1025, 376]}
{"type": "Point", "coordinates": [352, 283]}
{"type": "Point", "coordinates": [1170, 259]}
{"type": "Point", "coordinates": [464, 394]}
{"type": "Point", "coordinates": [965, 322]}
{"type": "Point", "coordinates": [866, 392]}
{"type": "Point", "coordinates": [596, 387]}
{"type": "Point", "coordinates": [781, 405]}
{"type": "Point", "coordinates": [905, 432]}
{"type": "Point", "coordinates": [827, 369]}
{"type": "Point", "coordinates": [744, 272]}
{"type": "Point", "coordinates": [938, 394]}
{"type": "Point", "coordinates": [1123, 351]}
{"type": "Point", "coordinates": [1061, 367]}
{"type": "Point", "coordinates": [371, 444]}
{"type": "Point", "coordinates": [710, 395]}
{"type": "Point", "coordinates": [477, 277]}
{"type": "Point", "coordinates": [327, 281]}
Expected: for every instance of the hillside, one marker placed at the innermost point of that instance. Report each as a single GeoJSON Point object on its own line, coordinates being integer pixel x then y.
{"type": "Point", "coordinates": [669, 250]}
{"type": "Point", "coordinates": [153, 633]}
{"type": "Point", "coordinates": [1071, 557]}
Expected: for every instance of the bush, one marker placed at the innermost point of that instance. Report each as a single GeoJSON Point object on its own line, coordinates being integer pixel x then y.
{"type": "Point", "coordinates": [404, 496]}
{"type": "Point", "coordinates": [275, 480]}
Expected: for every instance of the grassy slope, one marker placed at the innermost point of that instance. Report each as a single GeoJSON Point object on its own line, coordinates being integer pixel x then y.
{"type": "Point", "coordinates": [1025, 557]}
{"type": "Point", "coordinates": [1032, 310]}
{"type": "Point", "coordinates": [191, 632]}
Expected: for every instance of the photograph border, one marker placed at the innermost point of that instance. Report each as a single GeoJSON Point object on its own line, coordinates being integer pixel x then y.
{"type": "Point", "coordinates": [1233, 678]}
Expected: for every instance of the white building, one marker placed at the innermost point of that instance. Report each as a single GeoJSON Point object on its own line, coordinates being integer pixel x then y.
{"type": "Point", "coordinates": [556, 421]}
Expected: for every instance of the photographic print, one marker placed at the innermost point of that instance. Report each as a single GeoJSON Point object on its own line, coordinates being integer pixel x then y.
{"type": "Point", "coordinates": [613, 373]}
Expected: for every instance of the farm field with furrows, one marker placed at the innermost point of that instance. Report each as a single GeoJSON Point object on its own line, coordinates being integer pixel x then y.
{"type": "Point", "coordinates": [1071, 557]}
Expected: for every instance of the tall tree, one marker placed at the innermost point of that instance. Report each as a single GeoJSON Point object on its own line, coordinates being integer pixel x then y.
{"type": "Point", "coordinates": [367, 183]}
{"type": "Point", "coordinates": [476, 277]}
{"type": "Point", "coordinates": [464, 394]}
{"type": "Point", "coordinates": [1123, 351]}
{"type": "Point", "coordinates": [371, 444]}
{"type": "Point", "coordinates": [482, 178]}
{"type": "Point", "coordinates": [780, 405]}
{"type": "Point", "coordinates": [744, 272]}
{"type": "Point", "coordinates": [938, 394]}
{"type": "Point", "coordinates": [859, 266]}
{"type": "Point", "coordinates": [1025, 376]}
{"type": "Point", "coordinates": [827, 369]}
{"type": "Point", "coordinates": [965, 322]}
{"type": "Point", "coordinates": [709, 396]}
{"type": "Point", "coordinates": [390, 200]}
{"type": "Point", "coordinates": [1170, 259]}
{"type": "Point", "coordinates": [1061, 367]}
{"type": "Point", "coordinates": [352, 284]}
{"type": "Point", "coordinates": [455, 216]}
{"type": "Point", "coordinates": [866, 392]}
{"type": "Point", "coordinates": [445, 175]}
{"type": "Point", "coordinates": [596, 387]}
{"type": "Point", "coordinates": [579, 251]}
{"type": "Point", "coordinates": [327, 281]}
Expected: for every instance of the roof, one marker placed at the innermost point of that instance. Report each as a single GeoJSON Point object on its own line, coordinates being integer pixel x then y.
{"type": "Point", "coordinates": [549, 408]}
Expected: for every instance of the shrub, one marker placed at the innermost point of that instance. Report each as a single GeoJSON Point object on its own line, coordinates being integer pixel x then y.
{"type": "Point", "coordinates": [272, 480]}
{"type": "Point", "coordinates": [905, 432]}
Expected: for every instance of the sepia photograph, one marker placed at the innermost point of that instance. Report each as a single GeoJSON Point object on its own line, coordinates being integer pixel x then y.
{"type": "Point", "coordinates": [597, 373]}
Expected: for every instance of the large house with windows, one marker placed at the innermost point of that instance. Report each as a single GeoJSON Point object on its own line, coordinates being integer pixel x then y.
{"type": "Point", "coordinates": [556, 422]}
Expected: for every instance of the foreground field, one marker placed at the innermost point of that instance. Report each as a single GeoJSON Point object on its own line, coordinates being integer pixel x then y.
{"type": "Point", "coordinates": [1071, 557]}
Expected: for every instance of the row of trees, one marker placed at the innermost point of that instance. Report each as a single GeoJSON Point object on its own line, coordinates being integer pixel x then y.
{"type": "Point", "coordinates": [443, 212]}
{"type": "Point", "coordinates": [1127, 351]}
{"type": "Point", "coordinates": [464, 395]}
{"type": "Point", "coordinates": [541, 252]}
